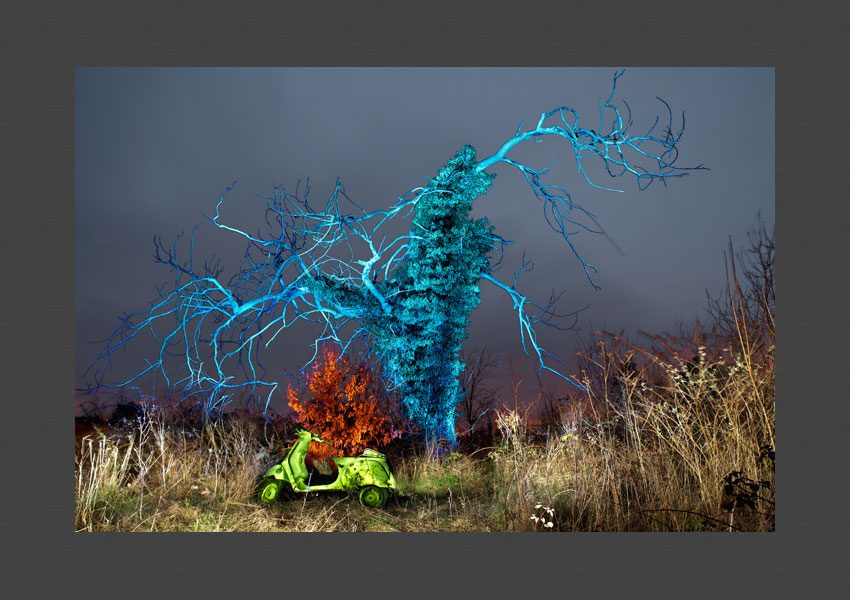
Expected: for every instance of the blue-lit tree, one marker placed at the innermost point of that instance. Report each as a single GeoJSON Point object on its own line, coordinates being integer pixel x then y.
{"type": "Point", "coordinates": [409, 297]}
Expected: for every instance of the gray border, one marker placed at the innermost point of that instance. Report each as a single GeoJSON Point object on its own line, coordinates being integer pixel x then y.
{"type": "Point", "coordinates": [43, 556]}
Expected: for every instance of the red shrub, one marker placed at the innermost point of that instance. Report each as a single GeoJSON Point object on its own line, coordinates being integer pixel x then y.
{"type": "Point", "coordinates": [341, 405]}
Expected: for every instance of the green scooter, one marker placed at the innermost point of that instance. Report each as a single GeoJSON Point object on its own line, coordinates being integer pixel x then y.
{"type": "Point", "coordinates": [367, 475]}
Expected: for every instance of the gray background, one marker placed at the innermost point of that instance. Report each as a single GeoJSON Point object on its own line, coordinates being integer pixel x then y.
{"type": "Point", "coordinates": [156, 147]}
{"type": "Point", "coordinates": [802, 558]}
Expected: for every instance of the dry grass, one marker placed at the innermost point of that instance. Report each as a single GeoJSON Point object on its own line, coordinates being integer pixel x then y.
{"type": "Point", "coordinates": [150, 475]}
{"type": "Point", "coordinates": [656, 461]}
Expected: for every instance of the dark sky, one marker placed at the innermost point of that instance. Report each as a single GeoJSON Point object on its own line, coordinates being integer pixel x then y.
{"type": "Point", "coordinates": [156, 147]}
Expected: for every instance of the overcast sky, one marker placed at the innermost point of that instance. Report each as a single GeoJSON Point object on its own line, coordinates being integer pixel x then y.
{"type": "Point", "coordinates": [156, 147]}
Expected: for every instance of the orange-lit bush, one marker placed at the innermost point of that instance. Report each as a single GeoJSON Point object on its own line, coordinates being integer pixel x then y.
{"type": "Point", "coordinates": [341, 404]}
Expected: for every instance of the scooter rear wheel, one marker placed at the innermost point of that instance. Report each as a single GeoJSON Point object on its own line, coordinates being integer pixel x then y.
{"type": "Point", "coordinates": [373, 496]}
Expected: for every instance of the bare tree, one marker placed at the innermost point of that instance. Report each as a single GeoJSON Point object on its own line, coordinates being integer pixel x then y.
{"type": "Point", "coordinates": [745, 311]}
{"type": "Point", "coordinates": [479, 395]}
{"type": "Point", "coordinates": [552, 407]}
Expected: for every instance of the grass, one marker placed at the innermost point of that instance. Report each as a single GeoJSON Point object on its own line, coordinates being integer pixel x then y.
{"type": "Point", "coordinates": [655, 458]}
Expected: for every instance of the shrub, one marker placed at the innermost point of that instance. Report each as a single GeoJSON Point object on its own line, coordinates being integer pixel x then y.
{"type": "Point", "coordinates": [342, 405]}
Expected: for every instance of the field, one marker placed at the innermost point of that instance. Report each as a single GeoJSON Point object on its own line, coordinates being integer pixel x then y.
{"type": "Point", "coordinates": [695, 453]}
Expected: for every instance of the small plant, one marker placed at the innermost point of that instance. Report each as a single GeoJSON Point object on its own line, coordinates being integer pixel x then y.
{"type": "Point", "coordinates": [741, 492]}
{"type": "Point", "coordinates": [543, 517]}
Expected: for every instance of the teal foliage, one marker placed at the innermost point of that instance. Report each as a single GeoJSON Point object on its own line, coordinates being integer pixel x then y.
{"type": "Point", "coordinates": [437, 290]}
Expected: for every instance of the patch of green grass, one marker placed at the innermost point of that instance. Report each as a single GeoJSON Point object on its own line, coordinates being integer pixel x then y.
{"type": "Point", "coordinates": [436, 485]}
{"type": "Point", "coordinates": [113, 504]}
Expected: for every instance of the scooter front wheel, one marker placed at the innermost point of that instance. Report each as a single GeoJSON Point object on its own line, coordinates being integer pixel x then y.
{"type": "Point", "coordinates": [373, 496]}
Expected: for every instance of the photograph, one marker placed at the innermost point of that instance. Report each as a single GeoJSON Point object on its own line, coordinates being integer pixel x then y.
{"type": "Point", "coordinates": [424, 299]}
